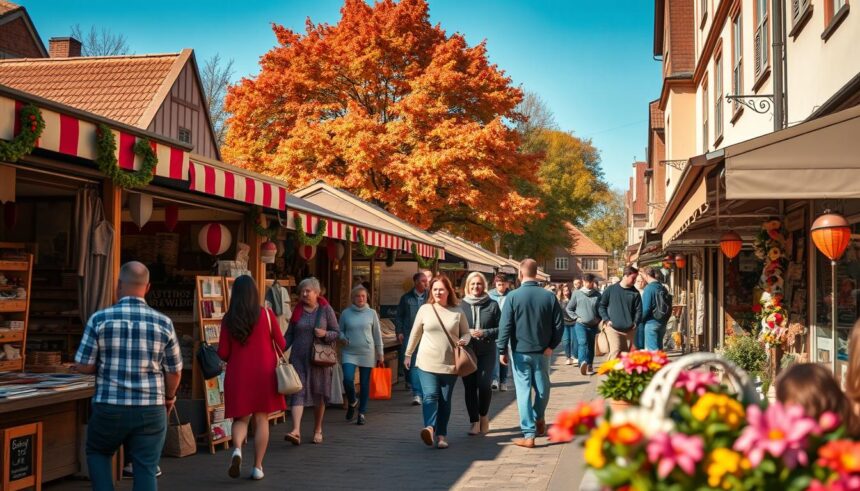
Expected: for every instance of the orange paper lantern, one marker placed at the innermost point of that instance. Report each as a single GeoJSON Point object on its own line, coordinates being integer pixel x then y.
{"type": "Point", "coordinates": [680, 261]}
{"type": "Point", "coordinates": [668, 261]}
{"type": "Point", "coordinates": [730, 244]}
{"type": "Point", "coordinates": [831, 234]}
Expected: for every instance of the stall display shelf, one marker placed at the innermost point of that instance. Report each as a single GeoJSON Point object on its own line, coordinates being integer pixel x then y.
{"type": "Point", "coordinates": [16, 273]}
{"type": "Point", "coordinates": [211, 302]}
{"type": "Point", "coordinates": [11, 336]}
{"type": "Point", "coordinates": [12, 366]}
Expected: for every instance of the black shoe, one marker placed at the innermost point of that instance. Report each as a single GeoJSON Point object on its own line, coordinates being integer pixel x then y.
{"type": "Point", "coordinates": [350, 410]}
{"type": "Point", "coordinates": [361, 420]}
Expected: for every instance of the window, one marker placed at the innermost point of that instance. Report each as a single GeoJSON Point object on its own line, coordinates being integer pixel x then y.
{"type": "Point", "coordinates": [718, 96]}
{"type": "Point", "coordinates": [562, 263]}
{"type": "Point", "coordinates": [835, 12]}
{"type": "Point", "coordinates": [706, 104]}
{"type": "Point", "coordinates": [737, 59]}
{"type": "Point", "coordinates": [590, 264]}
{"type": "Point", "coordinates": [762, 55]}
{"type": "Point", "coordinates": [801, 11]}
{"type": "Point", "coordinates": [703, 11]}
{"type": "Point", "coordinates": [184, 135]}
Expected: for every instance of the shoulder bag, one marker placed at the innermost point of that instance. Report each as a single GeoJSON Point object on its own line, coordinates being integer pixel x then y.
{"type": "Point", "coordinates": [209, 361]}
{"type": "Point", "coordinates": [288, 379]}
{"type": "Point", "coordinates": [179, 441]}
{"type": "Point", "coordinates": [324, 354]}
{"type": "Point", "coordinates": [601, 341]}
{"type": "Point", "coordinates": [465, 362]}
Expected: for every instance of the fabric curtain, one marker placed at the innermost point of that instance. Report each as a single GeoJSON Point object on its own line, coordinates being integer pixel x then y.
{"type": "Point", "coordinates": [94, 254]}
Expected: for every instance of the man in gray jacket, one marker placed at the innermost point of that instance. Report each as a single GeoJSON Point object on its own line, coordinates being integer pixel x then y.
{"type": "Point", "coordinates": [582, 308]}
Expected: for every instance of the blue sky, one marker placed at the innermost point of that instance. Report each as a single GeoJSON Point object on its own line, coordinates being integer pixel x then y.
{"type": "Point", "coordinates": [592, 65]}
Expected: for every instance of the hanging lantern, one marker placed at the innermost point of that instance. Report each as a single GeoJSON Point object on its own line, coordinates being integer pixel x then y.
{"type": "Point", "coordinates": [307, 252]}
{"type": "Point", "coordinates": [214, 239]}
{"type": "Point", "coordinates": [267, 252]}
{"type": "Point", "coordinates": [730, 244]}
{"type": "Point", "coordinates": [831, 234]}
{"type": "Point", "coordinates": [171, 217]}
{"type": "Point", "coordinates": [668, 261]}
{"type": "Point", "coordinates": [140, 208]}
{"type": "Point", "coordinates": [680, 261]}
{"type": "Point", "coordinates": [331, 250]}
{"type": "Point", "coordinates": [10, 215]}
{"type": "Point", "coordinates": [341, 251]}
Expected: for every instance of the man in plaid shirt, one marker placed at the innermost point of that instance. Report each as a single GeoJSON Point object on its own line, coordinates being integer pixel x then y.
{"type": "Point", "coordinates": [135, 355]}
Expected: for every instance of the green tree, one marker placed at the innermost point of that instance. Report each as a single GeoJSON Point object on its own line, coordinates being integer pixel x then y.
{"type": "Point", "coordinates": [607, 224]}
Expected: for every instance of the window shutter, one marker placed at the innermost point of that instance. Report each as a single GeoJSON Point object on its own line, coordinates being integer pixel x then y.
{"type": "Point", "coordinates": [757, 52]}
{"type": "Point", "coordinates": [795, 9]}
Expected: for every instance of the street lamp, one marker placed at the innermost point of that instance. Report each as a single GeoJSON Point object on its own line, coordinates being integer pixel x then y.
{"type": "Point", "coordinates": [831, 234]}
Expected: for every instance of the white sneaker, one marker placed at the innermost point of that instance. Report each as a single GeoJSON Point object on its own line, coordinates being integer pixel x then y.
{"type": "Point", "coordinates": [569, 361]}
{"type": "Point", "coordinates": [416, 401]}
{"type": "Point", "coordinates": [495, 385]}
{"type": "Point", "coordinates": [503, 387]}
{"type": "Point", "coordinates": [257, 474]}
{"type": "Point", "coordinates": [128, 470]}
{"type": "Point", "coordinates": [235, 463]}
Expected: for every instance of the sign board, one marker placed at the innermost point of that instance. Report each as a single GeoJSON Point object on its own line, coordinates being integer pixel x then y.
{"type": "Point", "coordinates": [22, 457]}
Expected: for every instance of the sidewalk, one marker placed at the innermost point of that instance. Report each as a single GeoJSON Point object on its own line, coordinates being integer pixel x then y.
{"type": "Point", "coordinates": [388, 454]}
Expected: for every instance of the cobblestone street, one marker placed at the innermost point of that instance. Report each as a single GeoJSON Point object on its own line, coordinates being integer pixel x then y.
{"type": "Point", "coordinates": [388, 454]}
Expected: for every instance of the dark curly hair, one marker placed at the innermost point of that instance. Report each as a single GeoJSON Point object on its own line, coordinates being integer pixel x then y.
{"type": "Point", "coordinates": [244, 310]}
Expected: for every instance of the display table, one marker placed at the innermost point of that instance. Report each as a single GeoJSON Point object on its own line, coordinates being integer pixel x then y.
{"type": "Point", "coordinates": [62, 414]}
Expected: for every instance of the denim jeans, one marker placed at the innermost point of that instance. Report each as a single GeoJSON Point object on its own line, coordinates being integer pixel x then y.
{"type": "Point", "coordinates": [585, 340]}
{"type": "Point", "coordinates": [531, 371]}
{"type": "Point", "coordinates": [568, 341]}
{"type": "Point", "coordinates": [349, 385]}
{"type": "Point", "coordinates": [500, 372]}
{"type": "Point", "coordinates": [639, 341]}
{"type": "Point", "coordinates": [436, 403]}
{"type": "Point", "coordinates": [653, 334]}
{"type": "Point", "coordinates": [478, 387]}
{"type": "Point", "coordinates": [411, 375]}
{"type": "Point", "coordinates": [140, 428]}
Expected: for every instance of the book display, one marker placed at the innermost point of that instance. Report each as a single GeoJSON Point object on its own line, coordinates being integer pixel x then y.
{"type": "Point", "coordinates": [16, 269]}
{"type": "Point", "coordinates": [211, 305]}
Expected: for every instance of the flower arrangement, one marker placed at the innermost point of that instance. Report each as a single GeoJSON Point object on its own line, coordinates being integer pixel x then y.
{"type": "Point", "coordinates": [711, 441]}
{"type": "Point", "coordinates": [627, 376]}
{"type": "Point", "coordinates": [770, 249]}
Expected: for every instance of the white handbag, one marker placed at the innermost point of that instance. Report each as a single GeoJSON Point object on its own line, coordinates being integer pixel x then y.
{"type": "Point", "coordinates": [288, 378]}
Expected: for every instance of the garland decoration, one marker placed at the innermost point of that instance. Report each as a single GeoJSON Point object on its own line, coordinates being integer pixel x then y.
{"type": "Point", "coordinates": [391, 258]}
{"type": "Point", "coordinates": [770, 249]}
{"type": "Point", "coordinates": [311, 240]}
{"type": "Point", "coordinates": [32, 126]}
{"type": "Point", "coordinates": [106, 160]}
{"type": "Point", "coordinates": [363, 248]}
{"type": "Point", "coordinates": [254, 217]}
{"type": "Point", "coordinates": [425, 263]}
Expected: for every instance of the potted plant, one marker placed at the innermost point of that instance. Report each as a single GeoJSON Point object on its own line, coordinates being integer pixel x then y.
{"type": "Point", "coordinates": [628, 375]}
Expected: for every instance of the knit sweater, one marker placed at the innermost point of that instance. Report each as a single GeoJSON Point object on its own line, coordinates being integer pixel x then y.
{"type": "Point", "coordinates": [359, 329]}
{"type": "Point", "coordinates": [436, 354]}
{"type": "Point", "coordinates": [531, 320]}
{"type": "Point", "coordinates": [483, 314]}
{"type": "Point", "coordinates": [621, 306]}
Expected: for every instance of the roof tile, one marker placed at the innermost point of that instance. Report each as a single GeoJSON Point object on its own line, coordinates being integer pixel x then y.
{"type": "Point", "coordinates": [583, 245]}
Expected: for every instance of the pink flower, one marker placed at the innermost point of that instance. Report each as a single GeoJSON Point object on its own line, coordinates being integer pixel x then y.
{"type": "Point", "coordinates": [828, 421]}
{"type": "Point", "coordinates": [696, 382]}
{"type": "Point", "coordinates": [675, 450]}
{"type": "Point", "coordinates": [841, 483]}
{"type": "Point", "coordinates": [780, 431]}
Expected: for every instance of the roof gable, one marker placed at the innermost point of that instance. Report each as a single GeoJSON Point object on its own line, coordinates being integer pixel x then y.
{"type": "Point", "coordinates": [11, 12]}
{"type": "Point", "coordinates": [582, 244]}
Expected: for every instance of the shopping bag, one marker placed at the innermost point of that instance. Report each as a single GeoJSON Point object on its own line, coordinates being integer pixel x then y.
{"type": "Point", "coordinates": [179, 441]}
{"type": "Point", "coordinates": [380, 383]}
{"type": "Point", "coordinates": [601, 342]}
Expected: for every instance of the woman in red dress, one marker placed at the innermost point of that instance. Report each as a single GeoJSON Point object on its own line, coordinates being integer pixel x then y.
{"type": "Point", "coordinates": [250, 385]}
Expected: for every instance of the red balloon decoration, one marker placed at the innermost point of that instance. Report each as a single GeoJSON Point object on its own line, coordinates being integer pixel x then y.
{"type": "Point", "coordinates": [171, 217]}
{"type": "Point", "coordinates": [307, 252]}
{"type": "Point", "coordinates": [730, 244]}
{"type": "Point", "coordinates": [214, 239]}
{"type": "Point", "coordinates": [267, 252]}
{"type": "Point", "coordinates": [831, 234]}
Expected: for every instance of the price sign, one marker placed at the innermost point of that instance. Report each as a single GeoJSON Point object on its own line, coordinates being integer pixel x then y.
{"type": "Point", "coordinates": [22, 457]}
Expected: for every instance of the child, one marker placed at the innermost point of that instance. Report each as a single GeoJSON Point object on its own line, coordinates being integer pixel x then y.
{"type": "Point", "coordinates": [813, 387]}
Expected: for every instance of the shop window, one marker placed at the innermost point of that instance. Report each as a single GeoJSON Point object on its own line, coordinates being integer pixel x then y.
{"type": "Point", "coordinates": [562, 263]}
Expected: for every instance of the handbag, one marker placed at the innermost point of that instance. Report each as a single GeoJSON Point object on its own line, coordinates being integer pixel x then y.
{"type": "Point", "coordinates": [465, 361]}
{"type": "Point", "coordinates": [380, 383]}
{"type": "Point", "coordinates": [601, 342]}
{"type": "Point", "coordinates": [179, 441]}
{"type": "Point", "coordinates": [288, 378]}
{"type": "Point", "coordinates": [324, 354]}
{"type": "Point", "coordinates": [209, 361]}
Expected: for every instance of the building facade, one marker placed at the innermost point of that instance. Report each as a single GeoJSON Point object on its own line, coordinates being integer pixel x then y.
{"type": "Point", "coordinates": [583, 256]}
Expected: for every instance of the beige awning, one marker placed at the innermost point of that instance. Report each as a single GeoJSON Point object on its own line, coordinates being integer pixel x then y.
{"type": "Point", "coordinates": [692, 209]}
{"type": "Point", "coordinates": [818, 159]}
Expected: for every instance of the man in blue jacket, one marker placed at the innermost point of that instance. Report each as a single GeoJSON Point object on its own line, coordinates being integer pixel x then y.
{"type": "Point", "coordinates": [407, 309]}
{"type": "Point", "coordinates": [654, 328]}
{"type": "Point", "coordinates": [533, 323]}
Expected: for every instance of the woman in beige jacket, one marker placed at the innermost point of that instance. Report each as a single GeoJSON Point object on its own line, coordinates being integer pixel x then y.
{"type": "Point", "coordinates": [438, 325]}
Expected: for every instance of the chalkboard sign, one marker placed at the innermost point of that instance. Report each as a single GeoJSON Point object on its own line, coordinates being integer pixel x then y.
{"type": "Point", "coordinates": [22, 457]}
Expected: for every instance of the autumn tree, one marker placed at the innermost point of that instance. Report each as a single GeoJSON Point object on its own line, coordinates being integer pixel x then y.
{"type": "Point", "coordinates": [392, 108]}
{"type": "Point", "coordinates": [215, 77]}
{"type": "Point", "coordinates": [607, 225]}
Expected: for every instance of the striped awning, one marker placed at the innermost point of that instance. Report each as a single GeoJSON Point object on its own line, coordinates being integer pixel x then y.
{"type": "Point", "coordinates": [70, 135]}
{"type": "Point", "coordinates": [216, 181]}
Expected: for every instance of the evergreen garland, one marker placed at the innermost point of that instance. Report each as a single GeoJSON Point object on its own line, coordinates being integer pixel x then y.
{"type": "Point", "coordinates": [425, 263]}
{"type": "Point", "coordinates": [254, 218]}
{"type": "Point", "coordinates": [363, 248]}
{"type": "Point", "coordinates": [32, 126]}
{"type": "Point", "coordinates": [106, 160]}
{"type": "Point", "coordinates": [391, 258]}
{"type": "Point", "coordinates": [311, 240]}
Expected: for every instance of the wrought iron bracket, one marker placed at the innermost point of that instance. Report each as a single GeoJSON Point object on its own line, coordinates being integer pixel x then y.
{"type": "Point", "coordinates": [677, 164]}
{"type": "Point", "coordinates": [759, 103]}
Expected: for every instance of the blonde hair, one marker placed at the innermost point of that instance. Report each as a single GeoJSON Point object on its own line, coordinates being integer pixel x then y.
{"type": "Point", "coordinates": [813, 387]}
{"type": "Point", "coordinates": [472, 275]}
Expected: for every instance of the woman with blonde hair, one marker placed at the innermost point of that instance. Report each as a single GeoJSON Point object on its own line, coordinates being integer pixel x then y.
{"type": "Point", "coordinates": [439, 324]}
{"type": "Point", "coordinates": [483, 315]}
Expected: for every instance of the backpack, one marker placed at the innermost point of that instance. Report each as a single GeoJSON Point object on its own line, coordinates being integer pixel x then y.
{"type": "Point", "coordinates": [662, 305]}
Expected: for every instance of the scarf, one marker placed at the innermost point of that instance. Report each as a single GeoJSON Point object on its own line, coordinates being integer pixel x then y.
{"type": "Point", "coordinates": [299, 310]}
{"type": "Point", "coordinates": [476, 303]}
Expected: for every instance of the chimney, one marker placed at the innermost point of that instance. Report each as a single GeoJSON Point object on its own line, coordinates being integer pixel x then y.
{"type": "Point", "coordinates": [68, 47]}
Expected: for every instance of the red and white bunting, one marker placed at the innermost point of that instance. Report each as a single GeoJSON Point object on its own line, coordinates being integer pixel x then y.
{"type": "Point", "coordinates": [69, 135]}
{"type": "Point", "coordinates": [218, 182]}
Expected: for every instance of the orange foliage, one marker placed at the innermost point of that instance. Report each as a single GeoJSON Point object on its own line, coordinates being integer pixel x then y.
{"type": "Point", "coordinates": [391, 108]}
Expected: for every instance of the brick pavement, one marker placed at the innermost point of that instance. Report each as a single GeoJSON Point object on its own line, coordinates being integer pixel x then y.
{"type": "Point", "coordinates": [388, 454]}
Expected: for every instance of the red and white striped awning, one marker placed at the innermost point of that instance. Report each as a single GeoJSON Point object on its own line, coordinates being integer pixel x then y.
{"type": "Point", "coordinates": [70, 135]}
{"type": "Point", "coordinates": [338, 230]}
{"type": "Point", "coordinates": [233, 185]}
